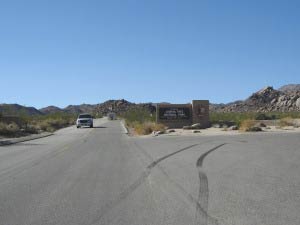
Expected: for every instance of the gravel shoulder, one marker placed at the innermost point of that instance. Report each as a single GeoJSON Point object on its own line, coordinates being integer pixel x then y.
{"type": "Point", "coordinates": [223, 132]}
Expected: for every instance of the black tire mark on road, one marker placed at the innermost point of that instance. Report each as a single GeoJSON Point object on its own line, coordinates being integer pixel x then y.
{"type": "Point", "coordinates": [201, 158]}
{"type": "Point", "coordinates": [201, 212]}
{"type": "Point", "coordinates": [202, 217]}
{"type": "Point", "coordinates": [141, 179]}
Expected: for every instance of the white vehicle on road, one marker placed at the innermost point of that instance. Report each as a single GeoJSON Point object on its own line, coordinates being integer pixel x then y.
{"type": "Point", "coordinates": [85, 120]}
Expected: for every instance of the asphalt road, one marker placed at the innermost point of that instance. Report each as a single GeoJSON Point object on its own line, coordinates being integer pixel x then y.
{"type": "Point", "coordinates": [102, 176]}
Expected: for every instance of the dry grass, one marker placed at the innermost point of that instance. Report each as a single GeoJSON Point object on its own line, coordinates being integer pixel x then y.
{"type": "Point", "coordinates": [9, 129]}
{"type": "Point", "coordinates": [287, 121]}
{"type": "Point", "coordinates": [34, 125]}
{"type": "Point", "coordinates": [50, 125]}
{"type": "Point", "coordinates": [247, 125]}
{"type": "Point", "coordinates": [147, 128]}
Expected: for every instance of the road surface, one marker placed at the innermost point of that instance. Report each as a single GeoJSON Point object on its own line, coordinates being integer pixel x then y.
{"type": "Point", "coordinates": [102, 176]}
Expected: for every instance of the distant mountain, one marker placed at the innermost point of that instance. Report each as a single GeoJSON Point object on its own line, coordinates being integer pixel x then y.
{"type": "Point", "coordinates": [121, 105]}
{"type": "Point", "coordinates": [72, 109]}
{"type": "Point", "coordinates": [77, 109]}
{"type": "Point", "coordinates": [51, 109]}
{"type": "Point", "coordinates": [265, 100]}
{"type": "Point", "coordinates": [268, 99]}
{"type": "Point", "coordinates": [18, 110]}
{"type": "Point", "coordinates": [290, 88]}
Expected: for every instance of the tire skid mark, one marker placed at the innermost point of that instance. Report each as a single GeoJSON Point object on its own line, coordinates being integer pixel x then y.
{"type": "Point", "coordinates": [202, 217]}
{"type": "Point", "coordinates": [187, 195]}
{"type": "Point", "coordinates": [141, 179]}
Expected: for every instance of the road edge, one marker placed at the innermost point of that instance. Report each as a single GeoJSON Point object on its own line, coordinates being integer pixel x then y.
{"type": "Point", "coordinates": [124, 127]}
{"type": "Point", "coordinates": [23, 139]}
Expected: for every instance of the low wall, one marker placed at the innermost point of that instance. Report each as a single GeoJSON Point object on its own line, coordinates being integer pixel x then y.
{"type": "Point", "coordinates": [179, 115]}
{"type": "Point", "coordinates": [174, 115]}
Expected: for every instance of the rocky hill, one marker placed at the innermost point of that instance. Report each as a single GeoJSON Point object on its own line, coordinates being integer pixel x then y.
{"type": "Point", "coordinates": [18, 110]}
{"type": "Point", "coordinates": [51, 109]}
{"type": "Point", "coordinates": [290, 88]}
{"type": "Point", "coordinates": [122, 105]}
{"type": "Point", "coordinates": [72, 109]}
{"type": "Point", "coordinates": [268, 99]}
{"type": "Point", "coordinates": [286, 99]}
{"type": "Point", "coordinates": [77, 109]}
{"type": "Point", "coordinates": [117, 106]}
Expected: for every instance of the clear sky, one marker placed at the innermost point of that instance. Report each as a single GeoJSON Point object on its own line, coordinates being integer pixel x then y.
{"type": "Point", "coordinates": [61, 52]}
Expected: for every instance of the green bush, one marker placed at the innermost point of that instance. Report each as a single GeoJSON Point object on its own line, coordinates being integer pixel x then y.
{"type": "Point", "coordinates": [233, 117]}
{"type": "Point", "coordinates": [138, 115]}
{"type": "Point", "coordinates": [263, 116]}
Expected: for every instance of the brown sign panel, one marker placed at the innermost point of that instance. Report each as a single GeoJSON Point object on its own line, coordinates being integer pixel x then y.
{"type": "Point", "coordinates": [179, 115]}
{"type": "Point", "coordinates": [174, 113]}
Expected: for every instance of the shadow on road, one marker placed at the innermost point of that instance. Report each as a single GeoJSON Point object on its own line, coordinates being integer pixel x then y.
{"type": "Point", "coordinates": [97, 127]}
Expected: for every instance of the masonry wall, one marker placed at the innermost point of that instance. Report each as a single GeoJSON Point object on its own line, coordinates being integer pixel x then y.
{"type": "Point", "coordinates": [166, 114]}
{"type": "Point", "coordinates": [179, 115]}
{"type": "Point", "coordinates": [201, 112]}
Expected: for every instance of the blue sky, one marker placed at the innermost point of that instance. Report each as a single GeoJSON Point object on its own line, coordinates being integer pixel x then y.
{"type": "Point", "coordinates": [61, 52]}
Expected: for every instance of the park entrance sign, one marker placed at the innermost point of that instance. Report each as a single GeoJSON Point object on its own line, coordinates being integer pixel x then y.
{"type": "Point", "coordinates": [179, 115]}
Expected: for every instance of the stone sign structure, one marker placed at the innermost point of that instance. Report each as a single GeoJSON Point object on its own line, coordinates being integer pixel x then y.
{"type": "Point", "coordinates": [179, 115]}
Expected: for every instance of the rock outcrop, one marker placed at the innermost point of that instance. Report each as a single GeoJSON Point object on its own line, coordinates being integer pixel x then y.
{"type": "Point", "coordinates": [290, 88]}
{"type": "Point", "coordinates": [266, 100]}
{"type": "Point", "coordinates": [120, 106]}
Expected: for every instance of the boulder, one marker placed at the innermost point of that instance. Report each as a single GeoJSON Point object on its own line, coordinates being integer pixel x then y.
{"type": "Point", "coordinates": [196, 126]}
{"type": "Point", "coordinates": [233, 128]}
{"type": "Point", "coordinates": [298, 103]}
{"type": "Point", "coordinates": [156, 133]}
{"type": "Point", "coordinates": [216, 125]}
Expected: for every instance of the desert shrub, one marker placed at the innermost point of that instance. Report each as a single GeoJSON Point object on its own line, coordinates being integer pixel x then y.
{"type": "Point", "coordinates": [147, 127]}
{"type": "Point", "coordinates": [51, 124]}
{"type": "Point", "coordinates": [263, 116]}
{"type": "Point", "coordinates": [287, 121]}
{"type": "Point", "coordinates": [137, 115]}
{"type": "Point", "coordinates": [247, 125]}
{"type": "Point", "coordinates": [254, 129]}
{"type": "Point", "coordinates": [3, 130]}
{"type": "Point", "coordinates": [11, 129]}
{"type": "Point", "coordinates": [31, 129]}
{"type": "Point", "coordinates": [237, 118]}
{"type": "Point", "coordinates": [232, 117]}
{"type": "Point", "coordinates": [34, 124]}
{"type": "Point", "coordinates": [142, 121]}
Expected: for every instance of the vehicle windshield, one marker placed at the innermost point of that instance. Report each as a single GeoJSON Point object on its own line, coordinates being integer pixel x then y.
{"type": "Point", "coordinates": [85, 116]}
